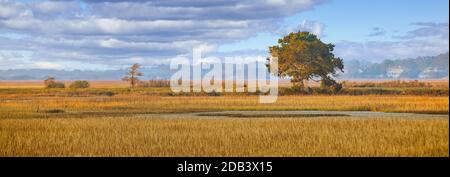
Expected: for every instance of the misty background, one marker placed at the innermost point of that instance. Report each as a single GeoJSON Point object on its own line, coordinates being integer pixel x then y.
{"type": "Point", "coordinates": [98, 39]}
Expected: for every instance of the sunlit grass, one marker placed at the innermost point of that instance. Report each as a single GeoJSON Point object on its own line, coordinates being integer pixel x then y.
{"type": "Point", "coordinates": [224, 137]}
{"type": "Point", "coordinates": [102, 121]}
{"type": "Point", "coordinates": [36, 107]}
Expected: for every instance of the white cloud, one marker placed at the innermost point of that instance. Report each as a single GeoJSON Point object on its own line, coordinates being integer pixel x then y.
{"type": "Point", "coordinates": [49, 7]}
{"type": "Point", "coordinates": [314, 27]}
{"type": "Point", "coordinates": [377, 32]}
{"type": "Point", "coordinates": [116, 32]}
{"type": "Point", "coordinates": [429, 39]}
{"type": "Point", "coordinates": [46, 65]}
{"type": "Point", "coordinates": [113, 31]}
{"type": "Point", "coordinates": [377, 51]}
{"type": "Point", "coordinates": [8, 9]}
{"type": "Point", "coordinates": [428, 29]}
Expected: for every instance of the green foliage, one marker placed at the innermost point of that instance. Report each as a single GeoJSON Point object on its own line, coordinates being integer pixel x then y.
{"type": "Point", "coordinates": [54, 111]}
{"type": "Point", "coordinates": [107, 93]}
{"type": "Point", "coordinates": [50, 82]}
{"type": "Point", "coordinates": [214, 93]}
{"type": "Point", "coordinates": [302, 56]}
{"type": "Point", "coordinates": [397, 83]}
{"type": "Point", "coordinates": [56, 85]}
{"type": "Point", "coordinates": [330, 85]}
{"type": "Point", "coordinates": [80, 84]}
{"type": "Point", "coordinates": [365, 91]}
{"type": "Point", "coordinates": [154, 83]}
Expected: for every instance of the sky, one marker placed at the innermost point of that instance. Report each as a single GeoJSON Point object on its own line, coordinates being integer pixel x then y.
{"type": "Point", "coordinates": [111, 34]}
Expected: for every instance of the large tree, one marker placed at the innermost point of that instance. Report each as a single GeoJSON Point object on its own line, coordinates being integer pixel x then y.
{"type": "Point", "coordinates": [133, 74]}
{"type": "Point", "coordinates": [302, 56]}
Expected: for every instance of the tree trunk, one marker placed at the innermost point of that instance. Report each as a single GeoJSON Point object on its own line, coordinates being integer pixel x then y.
{"type": "Point", "coordinates": [132, 82]}
{"type": "Point", "coordinates": [298, 83]}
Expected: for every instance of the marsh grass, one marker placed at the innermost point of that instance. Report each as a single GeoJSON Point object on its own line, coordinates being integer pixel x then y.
{"type": "Point", "coordinates": [24, 106]}
{"type": "Point", "coordinates": [327, 136]}
{"type": "Point", "coordinates": [101, 121]}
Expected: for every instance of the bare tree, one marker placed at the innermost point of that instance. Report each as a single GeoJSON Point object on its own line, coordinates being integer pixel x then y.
{"type": "Point", "coordinates": [132, 75]}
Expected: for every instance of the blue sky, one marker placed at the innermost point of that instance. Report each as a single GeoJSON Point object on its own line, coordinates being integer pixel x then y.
{"type": "Point", "coordinates": [354, 20]}
{"type": "Point", "coordinates": [106, 34]}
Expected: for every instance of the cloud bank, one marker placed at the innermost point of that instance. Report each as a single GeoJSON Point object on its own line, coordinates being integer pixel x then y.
{"type": "Point", "coordinates": [115, 33]}
{"type": "Point", "coordinates": [427, 39]}
{"type": "Point", "coordinates": [111, 32]}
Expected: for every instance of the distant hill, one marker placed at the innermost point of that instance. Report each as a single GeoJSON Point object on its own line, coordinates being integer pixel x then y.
{"type": "Point", "coordinates": [435, 67]}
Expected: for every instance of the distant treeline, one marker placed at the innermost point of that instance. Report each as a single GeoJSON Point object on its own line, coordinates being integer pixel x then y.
{"type": "Point", "coordinates": [435, 67]}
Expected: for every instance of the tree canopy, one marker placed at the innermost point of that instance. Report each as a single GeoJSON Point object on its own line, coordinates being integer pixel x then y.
{"type": "Point", "coordinates": [303, 56]}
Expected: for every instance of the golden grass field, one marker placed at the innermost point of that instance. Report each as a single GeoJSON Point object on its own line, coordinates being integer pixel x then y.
{"type": "Point", "coordinates": [86, 122]}
{"type": "Point", "coordinates": [224, 137]}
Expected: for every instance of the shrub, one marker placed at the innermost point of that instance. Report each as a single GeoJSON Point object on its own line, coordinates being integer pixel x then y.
{"type": "Point", "coordinates": [335, 88]}
{"type": "Point", "coordinates": [54, 111]}
{"type": "Point", "coordinates": [295, 91]}
{"type": "Point", "coordinates": [397, 83]}
{"type": "Point", "coordinates": [330, 86]}
{"type": "Point", "coordinates": [155, 83]}
{"type": "Point", "coordinates": [173, 94]}
{"type": "Point", "coordinates": [49, 81]}
{"type": "Point", "coordinates": [214, 93]}
{"type": "Point", "coordinates": [107, 93]}
{"type": "Point", "coordinates": [56, 85]}
{"type": "Point", "coordinates": [80, 84]}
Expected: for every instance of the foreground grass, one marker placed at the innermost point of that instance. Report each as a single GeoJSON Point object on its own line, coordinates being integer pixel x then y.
{"type": "Point", "coordinates": [331, 136]}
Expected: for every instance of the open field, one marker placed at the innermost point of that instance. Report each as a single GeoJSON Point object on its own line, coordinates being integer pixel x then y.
{"type": "Point", "coordinates": [112, 120]}
{"type": "Point", "coordinates": [331, 136]}
{"type": "Point", "coordinates": [122, 105]}
{"type": "Point", "coordinates": [39, 84]}
{"type": "Point", "coordinates": [436, 83]}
